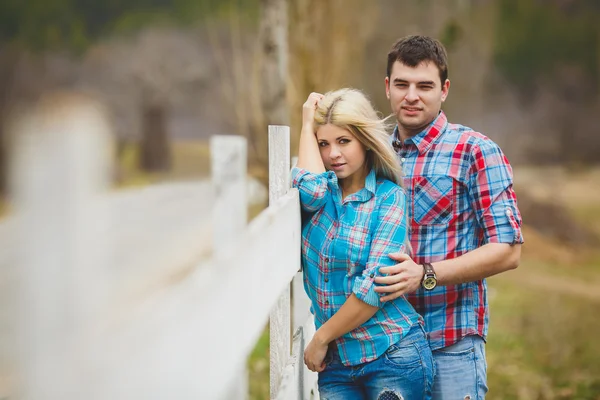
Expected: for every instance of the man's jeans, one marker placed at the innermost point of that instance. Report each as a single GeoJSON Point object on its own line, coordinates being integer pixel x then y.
{"type": "Point", "coordinates": [404, 372]}
{"type": "Point", "coordinates": [461, 370]}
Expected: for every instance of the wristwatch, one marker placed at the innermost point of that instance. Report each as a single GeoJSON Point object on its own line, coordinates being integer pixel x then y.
{"type": "Point", "coordinates": [429, 279]}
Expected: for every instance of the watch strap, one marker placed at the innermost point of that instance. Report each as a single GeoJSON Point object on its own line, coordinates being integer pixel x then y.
{"type": "Point", "coordinates": [428, 269]}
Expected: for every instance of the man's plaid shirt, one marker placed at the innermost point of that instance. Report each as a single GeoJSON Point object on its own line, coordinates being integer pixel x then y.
{"type": "Point", "coordinates": [460, 191]}
{"type": "Point", "coordinates": [343, 245]}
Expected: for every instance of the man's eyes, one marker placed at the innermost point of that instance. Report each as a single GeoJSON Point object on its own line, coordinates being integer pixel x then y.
{"type": "Point", "coordinates": [423, 87]}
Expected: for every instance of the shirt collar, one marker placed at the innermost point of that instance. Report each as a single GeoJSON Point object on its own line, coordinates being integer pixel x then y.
{"type": "Point", "coordinates": [425, 139]}
{"type": "Point", "coordinates": [371, 182]}
{"type": "Point", "coordinates": [367, 192]}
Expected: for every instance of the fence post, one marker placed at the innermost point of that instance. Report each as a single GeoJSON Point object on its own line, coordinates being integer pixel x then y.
{"type": "Point", "coordinates": [228, 163]}
{"type": "Point", "coordinates": [59, 167]}
{"type": "Point", "coordinates": [280, 329]}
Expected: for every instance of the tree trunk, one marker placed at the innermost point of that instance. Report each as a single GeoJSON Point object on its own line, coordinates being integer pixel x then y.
{"type": "Point", "coordinates": [8, 66]}
{"type": "Point", "coordinates": [155, 148]}
{"type": "Point", "coordinates": [274, 49]}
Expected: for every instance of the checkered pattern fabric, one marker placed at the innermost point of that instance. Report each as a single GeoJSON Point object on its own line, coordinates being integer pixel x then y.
{"type": "Point", "coordinates": [460, 190]}
{"type": "Point", "coordinates": [344, 242]}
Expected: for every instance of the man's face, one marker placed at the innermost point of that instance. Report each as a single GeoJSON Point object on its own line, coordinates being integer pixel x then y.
{"type": "Point", "coordinates": [415, 94]}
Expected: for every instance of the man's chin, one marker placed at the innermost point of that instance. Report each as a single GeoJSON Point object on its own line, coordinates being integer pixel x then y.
{"type": "Point", "coordinates": [411, 123]}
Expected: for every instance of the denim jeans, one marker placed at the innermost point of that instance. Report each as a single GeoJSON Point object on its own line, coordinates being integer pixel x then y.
{"type": "Point", "coordinates": [404, 372]}
{"type": "Point", "coordinates": [461, 370]}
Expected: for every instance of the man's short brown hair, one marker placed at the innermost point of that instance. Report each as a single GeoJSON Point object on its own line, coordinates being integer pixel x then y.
{"type": "Point", "coordinates": [413, 50]}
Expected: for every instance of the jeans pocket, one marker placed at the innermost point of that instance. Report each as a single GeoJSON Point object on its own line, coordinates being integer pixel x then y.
{"type": "Point", "coordinates": [403, 356]}
{"type": "Point", "coordinates": [463, 348]}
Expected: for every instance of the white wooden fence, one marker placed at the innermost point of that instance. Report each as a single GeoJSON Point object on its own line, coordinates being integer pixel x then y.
{"type": "Point", "coordinates": [143, 294]}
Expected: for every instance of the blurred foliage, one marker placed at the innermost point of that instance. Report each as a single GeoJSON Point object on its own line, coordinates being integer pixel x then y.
{"type": "Point", "coordinates": [451, 34]}
{"type": "Point", "coordinates": [75, 24]}
{"type": "Point", "coordinates": [535, 37]}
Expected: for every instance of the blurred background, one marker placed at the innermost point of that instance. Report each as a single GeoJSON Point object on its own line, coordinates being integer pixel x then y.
{"type": "Point", "coordinates": [525, 73]}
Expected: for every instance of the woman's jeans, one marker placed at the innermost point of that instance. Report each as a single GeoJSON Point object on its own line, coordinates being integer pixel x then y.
{"type": "Point", "coordinates": [405, 371]}
{"type": "Point", "coordinates": [461, 370]}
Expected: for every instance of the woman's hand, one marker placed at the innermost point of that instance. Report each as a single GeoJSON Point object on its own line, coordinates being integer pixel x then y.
{"type": "Point", "coordinates": [308, 111]}
{"type": "Point", "coordinates": [314, 354]}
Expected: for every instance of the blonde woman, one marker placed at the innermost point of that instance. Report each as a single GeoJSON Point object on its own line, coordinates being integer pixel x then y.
{"type": "Point", "coordinates": [348, 177]}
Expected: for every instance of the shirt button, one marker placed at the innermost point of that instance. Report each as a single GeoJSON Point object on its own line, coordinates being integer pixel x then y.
{"type": "Point", "coordinates": [327, 302]}
{"type": "Point", "coordinates": [326, 259]}
{"type": "Point", "coordinates": [372, 275]}
{"type": "Point", "coordinates": [326, 279]}
{"type": "Point", "coordinates": [403, 159]}
{"type": "Point", "coordinates": [508, 212]}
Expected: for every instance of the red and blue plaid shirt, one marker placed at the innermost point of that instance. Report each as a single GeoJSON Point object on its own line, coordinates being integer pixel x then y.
{"type": "Point", "coordinates": [460, 187]}
{"type": "Point", "coordinates": [343, 245]}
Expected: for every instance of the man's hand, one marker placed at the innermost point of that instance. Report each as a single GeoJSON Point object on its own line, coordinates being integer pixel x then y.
{"type": "Point", "coordinates": [404, 277]}
{"type": "Point", "coordinates": [314, 354]}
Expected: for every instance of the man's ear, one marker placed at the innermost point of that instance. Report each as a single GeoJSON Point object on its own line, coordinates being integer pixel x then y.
{"type": "Point", "coordinates": [387, 87]}
{"type": "Point", "coordinates": [445, 89]}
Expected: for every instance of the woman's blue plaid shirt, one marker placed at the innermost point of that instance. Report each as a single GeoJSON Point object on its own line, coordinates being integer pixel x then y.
{"type": "Point", "coordinates": [344, 243]}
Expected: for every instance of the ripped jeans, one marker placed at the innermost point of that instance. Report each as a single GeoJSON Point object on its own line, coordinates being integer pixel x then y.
{"type": "Point", "coordinates": [404, 372]}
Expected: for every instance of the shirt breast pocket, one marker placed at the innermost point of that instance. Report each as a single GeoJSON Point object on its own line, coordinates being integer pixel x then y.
{"type": "Point", "coordinates": [358, 245]}
{"type": "Point", "coordinates": [433, 199]}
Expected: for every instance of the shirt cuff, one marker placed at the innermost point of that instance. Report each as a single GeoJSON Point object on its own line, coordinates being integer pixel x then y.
{"type": "Point", "coordinates": [505, 228]}
{"type": "Point", "coordinates": [364, 289]}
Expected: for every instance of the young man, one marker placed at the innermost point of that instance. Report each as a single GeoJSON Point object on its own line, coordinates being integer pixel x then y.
{"type": "Point", "coordinates": [465, 224]}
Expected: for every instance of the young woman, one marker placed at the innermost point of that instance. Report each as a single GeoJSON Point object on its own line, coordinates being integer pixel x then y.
{"type": "Point", "coordinates": [349, 182]}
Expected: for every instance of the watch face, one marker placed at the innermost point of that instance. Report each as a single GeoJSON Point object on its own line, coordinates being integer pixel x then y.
{"type": "Point", "coordinates": [429, 283]}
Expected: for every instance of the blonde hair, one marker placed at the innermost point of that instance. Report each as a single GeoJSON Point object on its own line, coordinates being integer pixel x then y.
{"type": "Point", "coordinates": [350, 109]}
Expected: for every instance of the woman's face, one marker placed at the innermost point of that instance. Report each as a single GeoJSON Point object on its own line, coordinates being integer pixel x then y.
{"type": "Point", "coordinates": [341, 152]}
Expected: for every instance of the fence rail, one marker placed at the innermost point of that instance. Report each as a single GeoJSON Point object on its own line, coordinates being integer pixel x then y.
{"type": "Point", "coordinates": [141, 295]}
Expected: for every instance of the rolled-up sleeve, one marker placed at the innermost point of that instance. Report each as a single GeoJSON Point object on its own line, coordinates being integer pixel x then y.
{"type": "Point", "coordinates": [492, 196]}
{"type": "Point", "coordinates": [388, 237]}
{"type": "Point", "coordinates": [313, 188]}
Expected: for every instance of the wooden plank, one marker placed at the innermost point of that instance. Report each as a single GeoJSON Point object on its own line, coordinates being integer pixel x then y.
{"type": "Point", "coordinates": [228, 155]}
{"type": "Point", "coordinates": [298, 382]}
{"type": "Point", "coordinates": [59, 169]}
{"type": "Point", "coordinates": [291, 387]}
{"type": "Point", "coordinates": [279, 324]}
{"type": "Point", "coordinates": [309, 378]}
{"type": "Point", "coordinates": [190, 340]}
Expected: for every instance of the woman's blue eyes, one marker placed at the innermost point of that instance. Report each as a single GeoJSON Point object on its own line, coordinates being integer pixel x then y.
{"type": "Point", "coordinates": [341, 141]}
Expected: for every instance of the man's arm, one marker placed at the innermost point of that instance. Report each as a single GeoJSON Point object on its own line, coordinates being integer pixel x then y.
{"type": "Point", "coordinates": [494, 202]}
{"type": "Point", "coordinates": [488, 260]}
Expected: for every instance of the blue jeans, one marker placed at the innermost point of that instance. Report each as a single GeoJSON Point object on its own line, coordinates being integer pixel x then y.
{"type": "Point", "coordinates": [461, 370]}
{"type": "Point", "coordinates": [404, 372]}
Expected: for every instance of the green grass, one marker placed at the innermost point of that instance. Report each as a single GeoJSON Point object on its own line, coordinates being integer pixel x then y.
{"type": "Point", "coordinates": [543, 340]}
{"type": "Point", "coordinates": [258, 368]}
